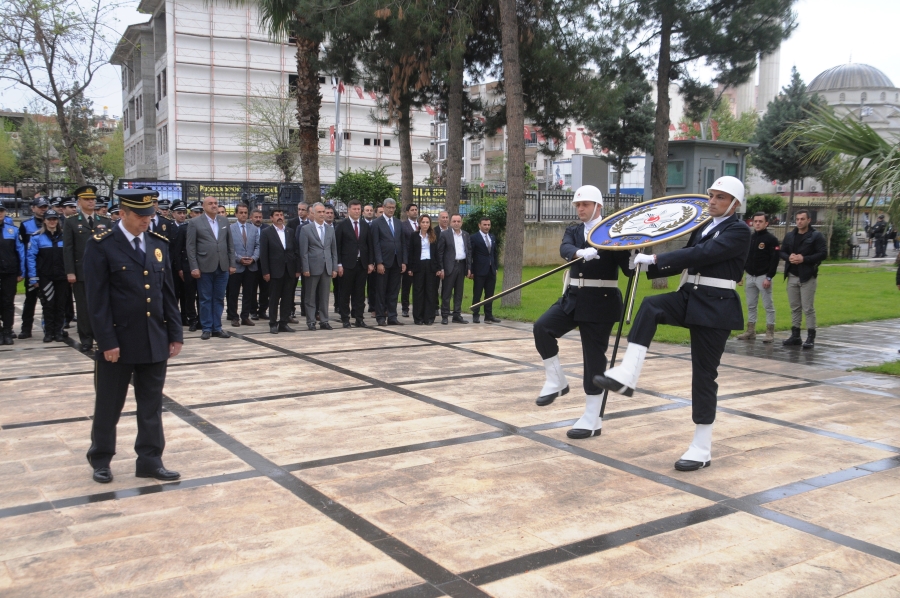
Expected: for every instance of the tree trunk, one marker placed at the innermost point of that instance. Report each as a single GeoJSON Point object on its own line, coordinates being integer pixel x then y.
{"type": "Point", "coordinates": [309, 102]}
{"type": "Point", "coordinates": [404, 126]}
{"type": "Point", "coordinates": [790, 208]}
{"type": "Point", "coordinates": [69, 143]}
{"type": "Point", "coordinates": [618, 188]}
{"type": "Point", "coordinates": [515, 171]}
{"type": "Point", "coordinates": [454, 163]}
{"type": "Point", "coordinates": [659, 168]}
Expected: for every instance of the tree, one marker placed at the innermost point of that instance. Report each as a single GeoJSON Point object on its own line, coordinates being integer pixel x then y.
{"type": "Point", "coordinates": [368, 186]}
{"type": "Point", "coordinates": [729, 128]}
{"type": "Point", "coordinates": [9, 166]}
{"type": "Point", "coordinates": [54, 48]}
{"type": "Point", "coordinates": [110, 165]}
{"type": "Point", "coordinates": [769, 204]}
{"type": "Point", "coordinates": [727, 34]}
{"type": "Point", "coordinates": [624, 123]}
{"type": "Point", "coordinates": [269, 140]}
{"type": "Point", "coordinates": [781, 159]}
{"type": "Point", "coordinates": [36, 151]}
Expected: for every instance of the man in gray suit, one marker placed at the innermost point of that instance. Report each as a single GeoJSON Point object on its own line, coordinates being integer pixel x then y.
{"type": "Point", "coordinates": [318, 256]}
{"type": "Point", "coordinates": [245, 261]}
{"type": "Point", "coordinates": [454, 252]}
{"type": "Point", "coordinates": [209, 249]}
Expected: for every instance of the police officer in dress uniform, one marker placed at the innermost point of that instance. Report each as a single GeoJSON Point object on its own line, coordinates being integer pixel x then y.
{"type": "Point", "coordinates": [705, 303]}
{"type": "Point", "coordinates": [161, 224]}
{"type": "Point", "coordinates": [77, 233]}
{"type": "Point", "coordinates": [135, 319]}
{"type": "Point", "coordinates": [592, 302]}
{"type": "Point", "coordinates": [182, 271]}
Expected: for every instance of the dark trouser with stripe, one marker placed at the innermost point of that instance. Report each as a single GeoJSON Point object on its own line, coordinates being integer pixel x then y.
{"type": "Point", "coordinates": [707, 346]}
{"type": "Point", "coordinates": [594, 341]}
{"type": "Point", "coordinates": [31, 299]}
{"type": "Point", "coordinates": [85, 334]}
{"type": "Point", "coordinates": [54, 296]}
{"type": "Point", "coordinates": [424, 292]}
{"type": "Point", "coordinates": [111, 381]}
{"type": "Point", "coordinates": [8, 285]}
{"type": "Point", "coordinates": [353, 289]}
{"type": "Point", "coordinates": [70, 303]}
{"type": "Point", "coordinates": [189, 298]}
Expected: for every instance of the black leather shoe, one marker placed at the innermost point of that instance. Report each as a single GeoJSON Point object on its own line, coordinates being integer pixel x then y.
{"type": "Point", "coordinates": [7, 339]}
{"type": "Point", "coordinates": [24, 334]}
{"type": "Point", "coordinates": [613, 385]}
{"type": "Point", "coordinates": [544, 400]}
{"type": "Point", "coordinates": [310, 325]}
{"type": "Point", "coordinates": [459, 320]}
{"type": "Point", "coordinates": [292, 320]}
{"type": "Point", "coordinates": [87, 347]}
{"type": "Point", "coordinates": [103, 475]}
{"type": "Point", "coordinates": [247, 322]}
{"type": "Point", "coordinates": [477, 319]}
{"type": "Point", "coordinates": [285, 328]}
{"type": "Point", "coordinates": [429, 323]}
{"type": "Point", "coordinates": [59, 338]}
{"type": "Point", "coordinates": [405, 313]}
{"type": "Point", "coordinates": [205, 336]}
{"type": "Point", "coordinates": [193, 327]}
{"type": "Point", "coordinates": [686, 465]}
{"type": "Point", "coordinates": [381, 321]}
{"type": "Point", "coordinates": [273, 329]}
{"type": "Point", "coordinates": [491, 320]}
{"type": "Point", "coordinates": [361, 323]}
{"type": "Point", "coordinates": [444, 321]}
{"type": "Point", "coordinates": [68, 325]}
{"type": "Point", "coordinates": [417, 322]}
{"type": "Point", "coordinates": [395, 322]}
{"type": "Point", "coordinates": [221, 334]}
{"type": "Point", "coordinates": [236, 322]}
{"type": "Point", "coordinates": [48, 338]}
{"type": "Point", "coordinates": [263, 317]}
{"type": "Point", "coordinates": [579, 434]}
{"type": "Point", "coordinates": [325, 326]}
{"type": "Point", "coordinates": [166, 475]}
{"type": "Point", "coordinates": [254, 317]}
{"type": "Point", "coordinates": [347, 324]}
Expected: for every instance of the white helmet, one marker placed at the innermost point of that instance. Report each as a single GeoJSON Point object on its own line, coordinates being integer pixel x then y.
{"type": "Point", "coordinates": [588, 193]}
{"type": "Point", "coordinates": [730, 185]}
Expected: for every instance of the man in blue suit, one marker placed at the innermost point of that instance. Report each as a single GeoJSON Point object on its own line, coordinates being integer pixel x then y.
{"type": "Point", "coordinates": [389, 245]}
{"type": "Point", "coordinates": [484, 269]}
{"type": "Point", "coordinates": [245, 239]}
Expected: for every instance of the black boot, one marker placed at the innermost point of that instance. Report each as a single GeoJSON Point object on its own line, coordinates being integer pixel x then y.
{"type": "Point", "coordinates": [794, 339]}
{"type": "Point", "coordinates": [810, 339]}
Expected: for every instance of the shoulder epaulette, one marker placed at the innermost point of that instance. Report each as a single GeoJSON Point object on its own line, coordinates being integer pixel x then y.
{"type": "Point", "coordinates": [103, 235]}
{"type": "Point", "coordinates": [158, 236]}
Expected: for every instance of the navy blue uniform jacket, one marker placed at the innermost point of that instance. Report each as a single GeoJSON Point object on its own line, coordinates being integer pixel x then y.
{"type": "Point", "coordinates": [722, 253]}
{"type": "Point", "coordinates": [132, 304]}
{"type": "Point", "coordinates": [592, 304]}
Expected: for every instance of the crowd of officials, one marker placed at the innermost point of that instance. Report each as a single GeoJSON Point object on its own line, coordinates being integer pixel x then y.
{"type": "Point", "coordinates": [250, 270]}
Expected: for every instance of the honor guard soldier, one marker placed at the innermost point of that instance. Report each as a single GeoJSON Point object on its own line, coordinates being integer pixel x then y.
{"type": "Point", "coordinates": [138, 328]}
{"type": "Point", "coordinates": [77, 232]}
{"type": "Point", "coordinates": [12, 271]}
{"type": "Point", "coordinates": [592, 302]}
{"type": "Point", "coordinates": [705, 303]}
{"type": "Point", "coordinates": [28, 228]}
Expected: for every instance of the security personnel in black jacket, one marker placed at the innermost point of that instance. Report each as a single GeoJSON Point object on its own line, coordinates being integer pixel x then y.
{"type": "Point", "coordinates": [762, 264]}
{"type": "Point", "coordinates": [592, 302]}
{"type": "Point", "coordinates": [135, 319]}
{"type": "Point", "coordinates": [879, 233]}
{"type": "Point", "coordinates": [706, 303]}
{"type": "Point", "coordinates": [802, 250]}
{"type": "Point", "coordinates": [182, 270]}
{"type": "Point", "coordinates": [12, 271]}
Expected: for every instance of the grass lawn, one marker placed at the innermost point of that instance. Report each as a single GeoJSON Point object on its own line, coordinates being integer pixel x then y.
{"type": "Point", "coordinates": [891, 368]}
{"type": "Point", "coordinates": [845, 294]}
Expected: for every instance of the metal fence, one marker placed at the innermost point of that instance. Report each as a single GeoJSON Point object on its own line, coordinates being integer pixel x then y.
{"type": "Point", "coordinates": [544, 206]}
{"type": "Point", "coordinates": [17, 195]}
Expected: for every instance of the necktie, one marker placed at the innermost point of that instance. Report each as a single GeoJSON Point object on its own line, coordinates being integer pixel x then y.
{"type": "Point", "coordinates": [487, 241]}
{"type": "Point", "coordinates": [356, 229]}
{"type": "Point", "coordinates": [322, 234]}
{"type": "Point", "coordinates": [138, 250]}
{"type": "Point", "coordinates": [91, 222]}
{"type": "Point", "coordinates": [391, 225]}
{"type": "Point", "coordinates": [244, 235]}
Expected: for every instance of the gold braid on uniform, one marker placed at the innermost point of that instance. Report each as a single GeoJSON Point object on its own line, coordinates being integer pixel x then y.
{"type": "Point", "coordinates": [158, 236]}
{"type": "Point", "coordinates": [103, 235]}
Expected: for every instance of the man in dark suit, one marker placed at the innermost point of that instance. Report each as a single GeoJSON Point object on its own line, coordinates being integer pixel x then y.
{"type": "Point", "coordinates": [209, 249]}
{"type": "Point", "coordinates": [135, 320]}
{"type": "Point", "coordinates": [354, 248]}
{"type": "Point", "coordinates": [410, 227]}
{"type": "Point", "coordinates": [443, 221]}
{"type": "Point", "coordinates": [278, 264]}
{"type": "Point", "coordinates": [295, 224]}
{"type": "Point", "coordinates": [390, 262]}
{"type": "Point", "coordinates": [706, 304]}
{"type": "Point", "coordinates": [372, 279]}
{"type": "Point", "coordinates": [484, 268]}
{"type": "Point", "coordinates": [260, 292]}
{"type": "Point", "coordinates": [319, 259]}
{"type": "Point", "coordinates": [245, 237]}
{"type": "Point", "coordinates": [454, 253]}
{"type": "Point", "coordinates": [76, 234]}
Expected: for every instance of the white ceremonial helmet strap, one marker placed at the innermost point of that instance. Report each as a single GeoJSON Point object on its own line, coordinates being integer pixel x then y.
{"type": "Point", "coordinates": [730, 185]}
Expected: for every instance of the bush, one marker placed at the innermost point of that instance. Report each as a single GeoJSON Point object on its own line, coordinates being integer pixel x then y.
{"type": "Point", "coordinates": [770, 204]}
{"type": "Point", "coordinates": [495, 209]}
{"type": "Point", "coordinates": [840, 234]}
{"type": "Point", "coordinates": [368, 186]}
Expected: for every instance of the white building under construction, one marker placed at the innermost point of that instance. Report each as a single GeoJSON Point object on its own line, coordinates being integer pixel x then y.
{"type": "Point", "coordinates": [188, 77]}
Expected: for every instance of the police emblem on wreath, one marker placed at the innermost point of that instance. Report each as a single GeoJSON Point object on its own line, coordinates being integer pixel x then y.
{"type": "Point", "coordinates": [651, 222]}
{"type": "Point", "coordinates": [158, 254]}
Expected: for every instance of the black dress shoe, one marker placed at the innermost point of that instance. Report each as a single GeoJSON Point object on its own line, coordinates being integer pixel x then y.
{"type": "Point", "coordinates": [221, 334]}
{"type": "Point", "coordinates": [417, 322]}
{"type": "Point", "coordinates": [360, 323]}
{"type": "Point", "coordinates": [477, 319]}
{"type": "Point", "coordinates": [236, 322]}
{"type": "Point", "coordinates": [193, 327]}
{"type": "Point", "coordinates": [263, 316]}
{"type": "Point", "coordinates": [613, 385]}
{"type": "Point", "coordinates": [292, 320]}
{"type": "Point", "coordinates": [491, 320]}
{"type": "Point", "coordinates": [24, 334]}
{"type": "Point", "coordinates": [347, 324]}
{"type": "Point", "coordinates": [285, 328]}
{"type": "Point", "coordinates": [311, 325]}
{"type": "Point", "coordinates": [247, 322]}
{"type": "Point", "coordinates": [68, 325]}
{"type": "Point", "coordinates": [103, 475]}
{"type": "Point", "coordinates": [60, 338]}
{"type": "Point", "coordinates": [7, 338]}
{"type": "Point", "coordinates": [325, 326]}
{"type": "Point", "coordinates": [381, 322]}
{"type": "Point", "coordinates": [48, 338]}
{"type": "Point", "coordinates": [459, 320]}
{"type": "Point", "coordinates": [254, 316]}
{"type": "Point", "coordinates": [578, 433]}
{"type": "Point", "coordinates": [205, 336]}
{"type": "Point", "coordinates": [87, 347]}
{"type": "Point", "coordinates": [444, 321]}
{"type": "Point", "coordinates": [273, 329]}
{"type": "Point", "coordinates": [687, 465]}
{"type": "Point", "coordinates": [429, 323]}
{"type": "Point", "coordinates": [161, 473]}
{"type": "Point", "coordinates": [544, 400]}
{"type": "Point", "coordinates": [395, 322]}
{"type": "Point", "coordinates": [405, 313]}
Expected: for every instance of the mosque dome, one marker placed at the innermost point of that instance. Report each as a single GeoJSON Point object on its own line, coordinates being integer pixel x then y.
{"type": "Point", "coordinates": [850, 76]}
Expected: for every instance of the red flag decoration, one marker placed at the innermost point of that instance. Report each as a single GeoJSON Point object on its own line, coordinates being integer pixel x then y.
{"type": "Point", "coordinates": [570, 140]}
{"type": "Point", "coordinates": [587, 141]}
{"type": "Point", "coordinates": [331, 135]}
{"type": "Point", "coordinates": [359, 92]}
{"type": "Point", "coordinates": [340, 87]}
{"type": "Point", "coordinates": [372, 95]}
{"type": "Point", "coordinates": [527, 133]}
{"type": "Point", "coordinates": [430, 110]}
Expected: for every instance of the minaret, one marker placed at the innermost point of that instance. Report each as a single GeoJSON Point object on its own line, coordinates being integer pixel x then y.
{"type": "Point", "coordinates": [745, 96]}
{"type": "Point", "coordinates": [769, 68]}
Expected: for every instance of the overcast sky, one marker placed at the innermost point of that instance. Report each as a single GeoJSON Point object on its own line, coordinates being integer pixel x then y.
{"type": "Point", "coordinates": [830, 32]}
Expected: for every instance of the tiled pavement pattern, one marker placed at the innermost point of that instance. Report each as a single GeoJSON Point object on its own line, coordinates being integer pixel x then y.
{"type": "Point", "coordinates": [413, 462]}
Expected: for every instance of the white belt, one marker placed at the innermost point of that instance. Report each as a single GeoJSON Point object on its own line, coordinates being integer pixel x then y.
{"type": "Point", "coordinates": [706, 281]}
{"type": "Point", "coordinates": [593, 282]}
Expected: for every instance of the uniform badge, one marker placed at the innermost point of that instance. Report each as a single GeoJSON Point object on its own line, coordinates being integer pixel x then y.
{"type": "Point", "coordinates": [9, 230]}
{"type": "Point", "coordinates": [100, 227]}
{"type": "Point", "coordinates": [158, 254]}
{"type": "Point", "coordinates": [762, 245]}
{"type": "Point", "coordinates": [716, 235]}
{"type": "Point", "coordinates": [164, 228]}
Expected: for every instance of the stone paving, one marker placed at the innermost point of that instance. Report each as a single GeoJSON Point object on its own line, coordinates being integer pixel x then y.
{"type": "Point", "coordinates": [413, 462]}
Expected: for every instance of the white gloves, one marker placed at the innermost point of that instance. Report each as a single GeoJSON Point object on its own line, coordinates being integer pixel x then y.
{"type": "Point", "coordinates": [642, 259]}
{"type": "Point", "coordinates": [588, 254]}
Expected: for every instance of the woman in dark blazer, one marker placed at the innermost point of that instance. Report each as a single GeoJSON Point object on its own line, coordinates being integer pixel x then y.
{"type": "Point", "coordinates": [422, 266]}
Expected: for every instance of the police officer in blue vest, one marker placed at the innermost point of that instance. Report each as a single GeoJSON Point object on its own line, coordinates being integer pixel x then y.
{"type": "Point", "coordinates": [12, 271]}
{"type": "Point", "coordinates": [39, 205]}
{"type": "Point", "coordinates": [135, 321]}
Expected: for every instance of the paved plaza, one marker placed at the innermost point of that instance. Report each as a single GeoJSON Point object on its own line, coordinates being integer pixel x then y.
{"type": "Point", "coordinates": [412, 461]}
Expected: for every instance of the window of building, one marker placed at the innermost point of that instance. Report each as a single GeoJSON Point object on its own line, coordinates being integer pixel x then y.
{"type": "Point", "coordinates": [162, 140]}
{"type": "Point", "coordinates": [125, 119]}
{"type": "Point", "coordinates": [292, 83]}
{"type": "Point", "coordinates": [883, 96]}
{"type": "Point", "coordinates": [731, 169]}
{"type": "Point", "coordinates": [567, 179]}
{"type": "Point", "coordinates": [442, 131]}
{"type": "Point", "coordinates": [675, 174]}
{"type": "Point", "coordinates": [321, 80]}
{"type": "Point", "coordinates": [323, 133]}
{"type": "Point", "coordinates": [376, 141]}
{"type": "Point", "coordinates": [158, 91]}
{"type": "Point", "coordinates": [387, 143]}
{"type": "Point", "coordinates": [346, 134]}
{"type": "Point", "coordinates": [124, 77]}
{"type": "Point", "coordinates": [442, 151]}
{"type": "Point", "coordinates": [367, 141]}
{"type": "Point", "coordinates": [799, 185]}
{"type": "Point", "coordinates": [476, 172]}
{"type": "Point", "coordinates": [476, 151]}
{"type": "Point", "coordinates": [165, 86]}
{"type": "Point", "coordinates": [863, 97]}
{"type": "Point", "coordinates": [842, 97]}
{"type": "Point", "coordinates": [139, 107]}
